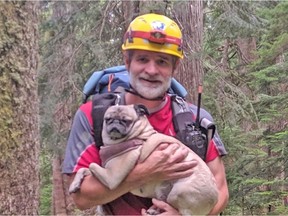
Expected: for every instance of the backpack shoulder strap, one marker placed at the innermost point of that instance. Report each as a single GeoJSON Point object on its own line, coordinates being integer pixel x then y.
{"type": "Point", "coordinates": [182, 116]}
{"type": "Point", "coordinates": [100, 104]}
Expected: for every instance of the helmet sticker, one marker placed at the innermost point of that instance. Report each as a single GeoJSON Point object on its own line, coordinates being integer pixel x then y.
{"type": "Point", "coordinates": [157, 25]}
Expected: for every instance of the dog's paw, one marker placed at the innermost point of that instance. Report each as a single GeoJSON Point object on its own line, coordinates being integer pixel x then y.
{"type": "Point", "coordinates": [74, 187]}
{"type": "Point", "coordinates": [78, 179]}
{"type": "Point", "coordinates": [96, 170]}
{"type": "Point", "coordinates": [154, 211]}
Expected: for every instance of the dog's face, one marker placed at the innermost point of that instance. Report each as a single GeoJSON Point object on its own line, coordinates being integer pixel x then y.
{"type": "Point", "coordinates": [120, 119]}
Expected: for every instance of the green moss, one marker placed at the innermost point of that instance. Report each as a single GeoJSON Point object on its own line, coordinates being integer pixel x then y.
{"type": "Point", "coordinates": [11, 68]}
{"type": "Point", "coordinates": [10, 136]}
{"type": "Point", "coordinates": [45, 199]}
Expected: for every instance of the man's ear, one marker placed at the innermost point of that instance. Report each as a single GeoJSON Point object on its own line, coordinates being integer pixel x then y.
{"type": "Point", "coordinates": [177, 63]}
{"type": "Point", "coordinates": [126, 60]}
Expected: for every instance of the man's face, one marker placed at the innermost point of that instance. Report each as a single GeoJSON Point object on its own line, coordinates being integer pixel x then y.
{"type": "Point", "coordinates": [150, 73]}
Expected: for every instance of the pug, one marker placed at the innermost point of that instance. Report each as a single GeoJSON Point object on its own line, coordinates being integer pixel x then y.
{"type": "Point", "coordinates": [129, 138]}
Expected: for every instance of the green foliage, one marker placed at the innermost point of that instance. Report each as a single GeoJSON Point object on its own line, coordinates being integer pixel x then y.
{"type": "Point", "coordinates": [278, 20]}
{"type": "Point", "coordinates": [77, 39]}
{"type": "Point", "coordinates": [46, 183]}
{"type": "Point", "coordinates": [250, 109]}
{"type": "Point", "coordinates": [45, 199]}
{"type": "Point", "coordinates": [232, 19]}
{"type": "Point", "coordinates": [268, 83]}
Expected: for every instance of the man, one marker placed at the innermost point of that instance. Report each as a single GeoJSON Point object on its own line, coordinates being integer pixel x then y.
{"type": "Point", "coordinates": [152, 49]}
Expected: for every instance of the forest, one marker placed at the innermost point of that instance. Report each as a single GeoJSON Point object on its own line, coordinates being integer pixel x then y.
{"type": "Point", "coordinates": [237, 50]}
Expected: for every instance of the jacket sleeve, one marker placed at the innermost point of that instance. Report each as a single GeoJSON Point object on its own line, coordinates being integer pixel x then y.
{"type": "Point", "coordinates": [80, 150]}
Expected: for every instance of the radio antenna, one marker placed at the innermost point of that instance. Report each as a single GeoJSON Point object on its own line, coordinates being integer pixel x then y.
{"type": "Point", "coordinates": [197, 121]}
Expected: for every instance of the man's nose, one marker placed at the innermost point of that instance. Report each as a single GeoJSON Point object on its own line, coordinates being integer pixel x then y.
{"type": "Point", "coordinates": [151, 68]}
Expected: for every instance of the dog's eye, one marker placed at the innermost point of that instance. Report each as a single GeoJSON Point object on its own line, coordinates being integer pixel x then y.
{"type": "Point", "coordinates": [108, 120]}
{"type": "Point", "coordinates": [127, 122]}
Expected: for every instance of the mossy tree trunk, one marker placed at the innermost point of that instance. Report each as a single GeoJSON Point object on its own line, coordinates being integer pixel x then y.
{"type": "Point", "coordinates": [19, 128]}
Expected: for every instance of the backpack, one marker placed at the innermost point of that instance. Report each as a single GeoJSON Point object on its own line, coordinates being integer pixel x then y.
{"type": "Point", "coordinates": [108, 87]}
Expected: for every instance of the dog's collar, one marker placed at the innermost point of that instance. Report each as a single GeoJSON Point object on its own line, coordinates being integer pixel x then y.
{"type": "Point", "coordinates": [111, 151]}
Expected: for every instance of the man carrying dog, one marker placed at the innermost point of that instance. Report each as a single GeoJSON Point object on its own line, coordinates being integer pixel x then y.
{"type": "Point", "coordinates": [152, 50]}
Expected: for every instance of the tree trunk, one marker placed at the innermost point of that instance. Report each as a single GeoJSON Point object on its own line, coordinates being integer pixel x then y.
{"type": "Point", "coordinates": [19, 122]}
{"type": "Point", "coordinates": [246, 48]}
{"type": "Point", "coordinates": [190, 73]}
{"type": "Point", "coordinates": [130, 11]}
{"type": "Point", "coordinates": [58, 198]}
{"type": "Point", "coordinates": [153, 6]}
{"type": "Point", "coordinates": [224, 63]}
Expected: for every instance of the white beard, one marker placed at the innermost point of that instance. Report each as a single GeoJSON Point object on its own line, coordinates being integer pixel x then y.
{"type": "Point", "coordinates": [152, 91]}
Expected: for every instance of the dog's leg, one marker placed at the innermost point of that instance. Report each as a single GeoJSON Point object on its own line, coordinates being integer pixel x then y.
{"type": "Point", "coordinates": [79, 177]}
{"type": "Point", "coordinates": [116, 168]}
{"type": "Point", "coordinates": [194, 195]}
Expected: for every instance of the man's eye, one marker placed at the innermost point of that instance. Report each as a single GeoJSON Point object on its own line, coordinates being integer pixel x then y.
{"type": "Point", "coordinates": [142, 60]}
{"type": "Point", "coordinates": [162, 62]}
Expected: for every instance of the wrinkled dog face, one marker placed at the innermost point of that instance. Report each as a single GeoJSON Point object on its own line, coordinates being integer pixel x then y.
{"type": "Point", "coordinates": [119, 121]}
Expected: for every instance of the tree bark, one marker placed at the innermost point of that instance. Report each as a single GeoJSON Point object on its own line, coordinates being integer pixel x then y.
{"type": "Point", "coordinates": [19, 122]}
{"type": "Point", "coordinates": [58, 198]}
{"type": "Point", "coordinates": [246, 49]}
{"type": "Point", "coordinates": [189, 14]}
{"type": "Point", "coordinates": [224, 63]}
{"type": "Point", "coordinates": [130, 11]}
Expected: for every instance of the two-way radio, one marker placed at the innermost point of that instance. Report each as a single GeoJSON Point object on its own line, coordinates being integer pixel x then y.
{"type": "Point", "coordinates": [195, 133]}
{"type": "Point", "coordinates": [195, 138]}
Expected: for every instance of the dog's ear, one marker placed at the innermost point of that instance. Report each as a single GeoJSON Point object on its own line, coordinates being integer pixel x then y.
{"type": "Point", "coordinates": [141, 109]}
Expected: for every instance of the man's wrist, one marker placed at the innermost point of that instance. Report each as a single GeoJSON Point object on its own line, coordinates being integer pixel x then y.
{"type": "Point", "coordinates": [135, 178]}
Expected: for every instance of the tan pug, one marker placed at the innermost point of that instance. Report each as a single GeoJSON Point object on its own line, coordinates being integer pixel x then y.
{"type": "Point", "coordinates": [128, 134]}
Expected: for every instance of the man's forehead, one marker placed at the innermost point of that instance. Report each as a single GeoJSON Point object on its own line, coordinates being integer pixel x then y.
{"type": "Point", "coordinates": [152, 54]}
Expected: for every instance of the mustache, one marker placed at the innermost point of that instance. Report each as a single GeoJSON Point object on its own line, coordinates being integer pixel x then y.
{"type": "Point", "coordinates": [151, 78]}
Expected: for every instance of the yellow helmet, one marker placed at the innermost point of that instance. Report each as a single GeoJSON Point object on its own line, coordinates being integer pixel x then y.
{"type": "Point", "coordinates": [154, 32]}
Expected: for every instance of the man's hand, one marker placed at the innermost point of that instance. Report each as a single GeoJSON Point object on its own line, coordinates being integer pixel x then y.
{"type": "Point", "coordinates": [165, 208]}
{"type": "Point", "coordinates": [164, 163]}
